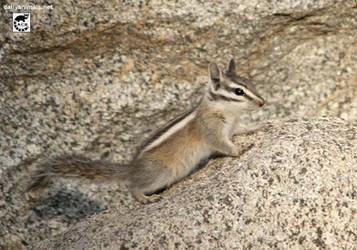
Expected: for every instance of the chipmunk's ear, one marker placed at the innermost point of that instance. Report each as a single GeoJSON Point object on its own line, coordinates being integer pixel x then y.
{"type": "Point", "coordinates": [214, 75]}
{"type": "Point", "coordinates": [231, 69]}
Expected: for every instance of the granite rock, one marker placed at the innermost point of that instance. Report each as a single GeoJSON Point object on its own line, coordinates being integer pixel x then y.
{"type": "Point", "coordinates": [97, 77]}
{"type": "Point", "coordinates": [294, 187]}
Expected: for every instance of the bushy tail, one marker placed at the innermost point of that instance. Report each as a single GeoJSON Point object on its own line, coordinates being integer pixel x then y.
{"type": "Point", "coordinates": [77, 167]}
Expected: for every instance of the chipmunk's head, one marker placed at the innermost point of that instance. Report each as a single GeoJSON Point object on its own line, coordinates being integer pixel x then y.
{"type": "Point", "coordinates": [230, 88]}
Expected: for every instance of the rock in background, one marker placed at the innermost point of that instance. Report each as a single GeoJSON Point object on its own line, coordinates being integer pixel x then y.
{"type": "Point", "coordinates": [95, 76]}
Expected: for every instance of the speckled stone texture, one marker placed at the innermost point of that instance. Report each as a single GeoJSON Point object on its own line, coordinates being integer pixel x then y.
{"type": "Point", "coordinates": [294, 188]}
{"type": "Point", "coordinates": [97, 77]}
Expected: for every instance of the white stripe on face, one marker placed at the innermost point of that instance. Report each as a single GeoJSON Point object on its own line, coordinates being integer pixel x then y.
{"type": "Point", "coordinates": [228, 95]}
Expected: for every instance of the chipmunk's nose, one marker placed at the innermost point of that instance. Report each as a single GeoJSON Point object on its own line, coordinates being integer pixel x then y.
{"type": "Point", "coordinates": [260, 101]}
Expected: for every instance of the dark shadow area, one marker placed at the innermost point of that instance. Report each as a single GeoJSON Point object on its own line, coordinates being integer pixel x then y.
{"type": "Point", "coordinates": [67, 205]}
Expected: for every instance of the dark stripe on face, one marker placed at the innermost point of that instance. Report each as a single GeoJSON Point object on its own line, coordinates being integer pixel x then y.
{"type": "Point", "coordinates": [239, 80]}
{"type": "Point", "coordinates": [244, 83]}
{"type": "Point", "coordinates": [238, 86]}
{"type": "Point", "coordinates": [214, 97]}
{"type": "Point", "coordinates": [248, 97]}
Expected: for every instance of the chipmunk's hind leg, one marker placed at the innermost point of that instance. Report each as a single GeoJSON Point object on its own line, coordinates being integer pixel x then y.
{"type": "Point", "coordinates": [145, 199]}
{"type": "Point", "coordinates": [148, 177]}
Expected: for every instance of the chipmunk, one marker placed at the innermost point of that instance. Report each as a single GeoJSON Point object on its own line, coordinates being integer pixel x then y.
{"type": "Point", "coordinates": [175, 150]}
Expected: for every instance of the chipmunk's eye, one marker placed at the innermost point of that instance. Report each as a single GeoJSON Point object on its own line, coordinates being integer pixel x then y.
{"type": "Point", "coordinates": [239, 91]}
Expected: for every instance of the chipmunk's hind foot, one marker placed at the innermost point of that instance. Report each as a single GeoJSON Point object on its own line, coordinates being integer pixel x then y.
{"type": "Point", "coordinates": [146, 199]}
